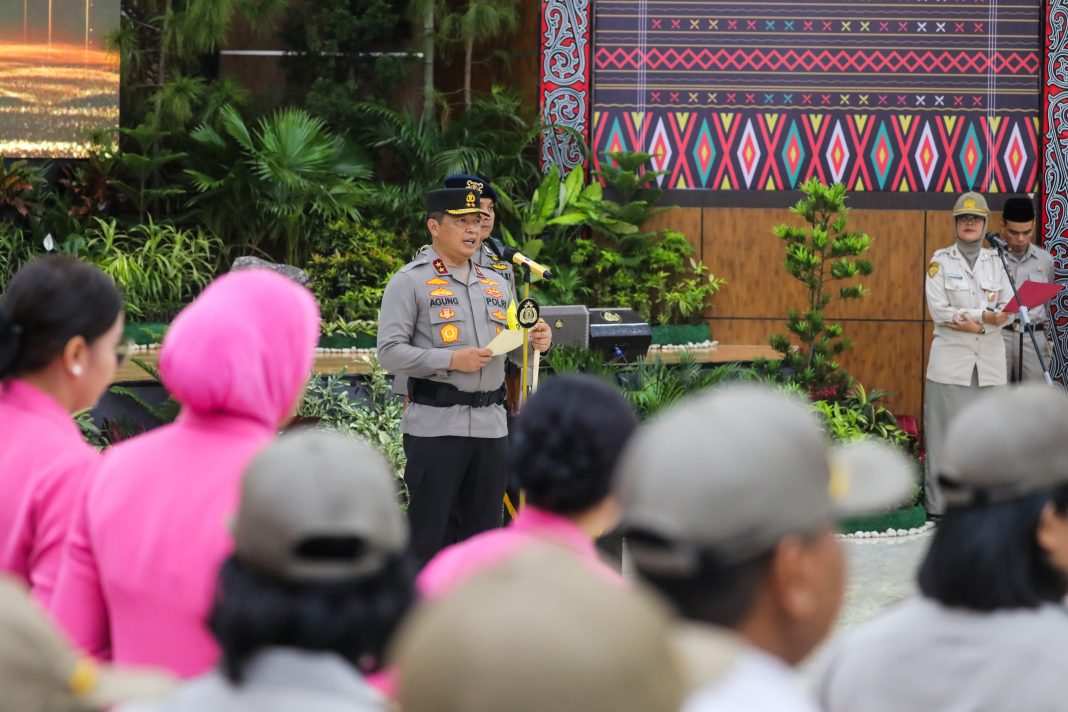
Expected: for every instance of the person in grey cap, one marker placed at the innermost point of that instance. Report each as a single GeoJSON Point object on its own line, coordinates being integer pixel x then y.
{"type": "Point", "coordinates": [966, 291]}
{"type": "Point", "coordinates": [989, 630]}
{"type": "Point", "coordinates": [319, 579]}
{"type": "Point", "coordinates": [439, 314]}
{"type": "Point", "coordinates": [730, 501]}
{"type": "Point", "coordinates": [1027, 262]}
{"type": "Point", "coordinates": [539, 632]}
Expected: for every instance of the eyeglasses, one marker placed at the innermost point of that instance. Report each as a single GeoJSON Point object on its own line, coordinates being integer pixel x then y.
{"type": "Point", "coordinates": [122, 351]}
{"type": "Point", "coordinates": [969, 219]}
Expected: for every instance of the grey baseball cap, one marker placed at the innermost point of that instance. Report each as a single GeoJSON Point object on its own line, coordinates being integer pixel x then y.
{"type": "Point", "coordinates": [540, 631]}
{"type": "Point", "coordinates": [733, 470]}
{"type": "Point", "coordinates": [318, 506]}
{"type": "Point", "coordinates": [1007, 444]}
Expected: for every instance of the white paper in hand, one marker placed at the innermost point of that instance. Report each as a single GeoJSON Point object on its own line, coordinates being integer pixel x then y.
{"type": "Point", "coordinates": [507, 340]}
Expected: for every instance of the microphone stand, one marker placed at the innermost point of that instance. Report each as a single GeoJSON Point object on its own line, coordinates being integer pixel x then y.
{"type": "Point", "coordinates": [1025, 319]}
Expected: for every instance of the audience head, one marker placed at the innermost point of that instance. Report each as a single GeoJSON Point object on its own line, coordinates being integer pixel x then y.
{"type": "Point", "coordinates": [62, 317]}
{"type": "Point", "coordinates": [539, 632]}
{"type": "Point", "coordinates": [1003, 542]}
{"type": "Point", "coordinates": [730, 501]}
{"type": "Point", "coordinates": [320, 560]}
{"type": "Point", "coordinates": [244, 347]}
{"type": "Point", "coordinates": [566, 444]}
{"type": "Point", "coordinates": [40, 671]}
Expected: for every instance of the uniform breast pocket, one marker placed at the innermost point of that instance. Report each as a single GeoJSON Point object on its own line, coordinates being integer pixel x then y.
{"type": "Point", "coordinates": [448, 327]}
{"type": "Point", "coordinates": [990, 293]}
{"type": "Point", "coordinates": [959, 294]}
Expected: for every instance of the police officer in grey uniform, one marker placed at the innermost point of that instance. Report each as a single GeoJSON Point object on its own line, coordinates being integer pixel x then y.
{"type": "Point", "coordinates": [1027, 262]}
{"type": "Point", "coordinates": [438, 314]}
{"type": "Point", "coordinates": [966, 291]}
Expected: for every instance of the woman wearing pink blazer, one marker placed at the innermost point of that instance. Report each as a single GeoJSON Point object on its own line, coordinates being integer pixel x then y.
{"type": "Point", "coordinates": [60, 337]}
{"type": "Point", "coordinates": [139, 571]}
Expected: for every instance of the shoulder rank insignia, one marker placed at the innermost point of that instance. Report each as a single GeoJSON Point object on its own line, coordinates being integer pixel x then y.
{"type": "Point", "coordinates": [500, 266]}
{"type": "Point", "coordinates": [494, 293]}
{"type": "Point", "coordinates": [450, 333]}
{"type": "Point", "coordinates": [932, 270]}
{"type": "Point", "coordinates": [439, 266]}
{"type": "Point", "coordinates": [446, 313]}
{"type": "Point", "coordinates": [441, 292]}
{"type": "Point", "coordinates": [436, 281]}
{"type": "Point", "coordinates": [490, 282]}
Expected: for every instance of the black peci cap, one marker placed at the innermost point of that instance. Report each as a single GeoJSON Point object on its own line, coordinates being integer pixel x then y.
{"type": "Point", "coordinates": [454, 201]}
{"type": "Point", "coordinates": [1019, 210]}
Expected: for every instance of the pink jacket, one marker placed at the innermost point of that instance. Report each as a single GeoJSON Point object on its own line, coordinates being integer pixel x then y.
{"type": "Point", "coordinates": [44, 463]}
{"type": "Point", "coordinates": [459, 562]}
{"type": "Point", "coordinates": [139, 571]}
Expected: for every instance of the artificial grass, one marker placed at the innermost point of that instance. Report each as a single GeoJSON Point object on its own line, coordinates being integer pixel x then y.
{"type": "Point", "coordinates": [664, 334]}
{"type": "Point", "coordinates": [906, 518]}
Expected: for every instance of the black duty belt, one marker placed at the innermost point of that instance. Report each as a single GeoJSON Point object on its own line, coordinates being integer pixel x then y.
{"type": "Point", "coordinates": [443, 395]}
{"type": "Point", "coordinates": [1018, 327]}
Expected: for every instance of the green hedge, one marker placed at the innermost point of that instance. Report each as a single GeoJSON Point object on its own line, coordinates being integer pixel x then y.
{"type": "Point", "coordinates": [679, 333]}
{"type": "Point", "coordinates": [907, 518]}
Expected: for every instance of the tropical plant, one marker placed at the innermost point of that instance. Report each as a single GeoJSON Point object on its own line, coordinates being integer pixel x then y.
{"type": "Point", "coordinates": [344, 52]}
{"type": "Point", "coordinates": [350, 268]}
{"type": "Point", "coordinates": [165, 411]}
{"type": "Point", "coordinates": [495, 139]}
{"type": "Point", "coordinates": [275, 184]}
{"type": "Point", "coordinates": [478, 21]}
{"type": "Point", "coordinates": [328, 403]}
{"type": "Point", "coordinates": [823, 253]}
{"type": "Point", "coordinates": [16, 249]}
{"type": "Point", "coordinates": [19, 185]}
{"type": "Point", "coordinates": [158, 267]}
{"type": "Point", "coordinates": [162, 44]}
{"type": "Point", "coordinates": [613, 262]}
{"type": "Point", "coordinates": [140, 171]}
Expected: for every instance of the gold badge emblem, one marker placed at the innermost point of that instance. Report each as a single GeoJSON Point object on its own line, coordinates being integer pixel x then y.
{"type": "Point", "coordinates": [490, 282]}
{"type": "Point", "coordinates": [450, 333]}
{"type": "Point", "coordinates": [612, 317]}
{"type": "Point", "coordinates": [498, 315]}
{"type": "Point", "coordinates": [527, 313]}
{"type": "Point", "coordinates": [441, 292]}
{"type": "Point", "coordinates": [446, 313]}
{"type": "Point", "coordinates": [472, 201]}
{"type": "Point", "coordinates": [932, 270]}
{"type": "Point", "coordinates": [436, 281]}
{"type": "Point", "coordinates": [500, 266]}
{"type": "Point", "coordinates": [969, 203]}
{"type": "Point", "coordinates": [499, 329]}
{"type": "Point", "coordinates": [474, 185]}
{"type": "Point", "coordinates": [495, 293]}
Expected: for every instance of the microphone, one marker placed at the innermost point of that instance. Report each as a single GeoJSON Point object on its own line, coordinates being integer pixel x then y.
{"type": "Point", "coordinates": [995, 241]}
{"type": "Point", "coordinates": [516, 257]}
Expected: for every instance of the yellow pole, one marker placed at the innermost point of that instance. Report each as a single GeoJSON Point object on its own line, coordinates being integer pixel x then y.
{"type": "Point", "coordinates": [524, 378]}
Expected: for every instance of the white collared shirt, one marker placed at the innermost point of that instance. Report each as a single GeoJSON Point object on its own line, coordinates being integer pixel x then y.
{"type": "Point", "coordinates": [756, 682]}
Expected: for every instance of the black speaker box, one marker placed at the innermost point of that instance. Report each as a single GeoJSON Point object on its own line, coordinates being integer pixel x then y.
{"type": "Point", "coordinates": [619, 333]}
{"type": "Point", "coordinates": [570, 324]}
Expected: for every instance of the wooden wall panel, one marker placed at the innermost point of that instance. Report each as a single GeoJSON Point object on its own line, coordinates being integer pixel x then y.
{"type": "Point", "coordinates": [685, 220]}
{"type": "Point", "coordinates": [888, 356]}
{"type": "Point", "coordinates": [897, 253]}
{"type": "Point", "coordinates": [739, 246]}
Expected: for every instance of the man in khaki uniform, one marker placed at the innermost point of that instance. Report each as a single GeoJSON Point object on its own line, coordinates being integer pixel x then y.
{"type": "Point", "coordinates": [1027, 262]}
{"type": "Point", "coordinates": [439, 313]}
{"type": "Point", "coordinates": [966, 290]}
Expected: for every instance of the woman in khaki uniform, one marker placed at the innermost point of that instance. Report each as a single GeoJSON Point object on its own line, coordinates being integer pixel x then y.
{"type": "Point", "coordinates": [966, 291]}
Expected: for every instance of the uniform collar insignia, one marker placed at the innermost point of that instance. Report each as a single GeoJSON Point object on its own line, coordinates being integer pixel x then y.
{"type": "Point", "coordinates": [439, 266]}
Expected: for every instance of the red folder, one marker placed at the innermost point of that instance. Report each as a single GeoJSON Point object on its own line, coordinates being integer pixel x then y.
{"type": "Point", "coordinates": [1033, 294]}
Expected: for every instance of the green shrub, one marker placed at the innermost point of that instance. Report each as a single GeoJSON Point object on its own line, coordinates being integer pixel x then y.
{"type": "Point", "coordinates": [348, 278]}
{"type": "Point", "coordinates": [16, 249]}
{"type": "Point", "coordinates": [159, 268]}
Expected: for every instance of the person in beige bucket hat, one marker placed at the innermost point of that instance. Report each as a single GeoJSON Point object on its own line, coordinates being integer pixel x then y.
{"type": "Point", "coordinates": [319, 579]}
{"type": "Point", "coordinates": [966, 290]}
{"type": "Point", "coordinates": [41, 672]}
{"type": "Point", "coordinates": [537, 632]}
{"type": "Point", "coordinates": [989, 630]}
{"type": "Point", "coordinates": [730, 501]}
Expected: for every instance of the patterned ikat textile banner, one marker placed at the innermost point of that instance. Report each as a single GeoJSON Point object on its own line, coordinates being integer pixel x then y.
{"type": "Point", "coordinates": [1055, 173]}
{"type": "Point", "coordinates": [908, 96]}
